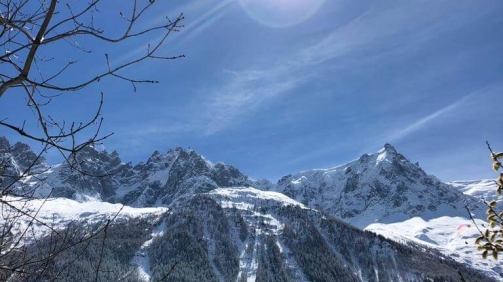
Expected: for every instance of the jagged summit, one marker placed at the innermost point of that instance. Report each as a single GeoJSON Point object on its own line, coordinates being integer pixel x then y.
{"type": "Point", "coordinates": [165, 177]}
{"type": "Point", "coordinates": [388, 148]}
{"type": "Point", "coordinates": [179, 173]}
{"type": "Point", "coordinates": [94, 174]}
{"type": "Point", "coordinates": [372, 188]}
{"type": "Point", "coordinates": [388, 154]}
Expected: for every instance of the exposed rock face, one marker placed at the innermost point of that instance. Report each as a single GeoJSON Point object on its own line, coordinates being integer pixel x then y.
{"type": "Point", "coordinates": [90, 173]}
{"type": "Point", "coordinates": [177, 174]}
{"type": "Point", "coordinates": [94, 174]}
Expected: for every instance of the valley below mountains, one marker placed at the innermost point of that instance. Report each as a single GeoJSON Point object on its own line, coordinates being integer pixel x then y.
{"type": "Point", "coordinates": [179, 217]}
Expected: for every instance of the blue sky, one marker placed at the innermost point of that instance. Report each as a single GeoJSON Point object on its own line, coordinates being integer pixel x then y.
{"type": "Point", "coordinates": [275, 87]}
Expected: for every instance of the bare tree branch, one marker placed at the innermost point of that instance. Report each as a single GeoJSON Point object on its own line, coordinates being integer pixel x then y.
{"type": "Point", "coordinates": [29, 30]}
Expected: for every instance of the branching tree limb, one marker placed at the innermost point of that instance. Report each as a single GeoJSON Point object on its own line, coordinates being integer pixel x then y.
{"type": "Point", "coordinates": [28, 26]}
{"type": "Point", "coordinates": [32, 65]}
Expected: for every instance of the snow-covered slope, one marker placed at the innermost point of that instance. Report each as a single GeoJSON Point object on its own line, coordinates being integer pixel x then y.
{"type": "Point", "coordinates": [245, 234]}
{"type": "Point", "coordinates": [453, 236]}
{"type": "Point", "coordinates": [57, 213]}
{"type": "Point", "coordinates": [481, 189]}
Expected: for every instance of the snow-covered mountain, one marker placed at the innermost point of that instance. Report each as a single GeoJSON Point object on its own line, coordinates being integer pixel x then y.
{"type": "Point", "coordinates": [177, 174]}
{"type": "Point", "coordinates": [384, 187]}
{"type": "Point", "coordinates": [163, 178]}
{"type": "Point", "coordinates": [239, 234]}
{"type": "Point", "coordinates": [387, 194]}
{"type": "Point", "coordinates": [61, 212]}
{"type": "Point", "coordinates": [246, 234]}
{"type": "Point", "coordinates": [383, 192]}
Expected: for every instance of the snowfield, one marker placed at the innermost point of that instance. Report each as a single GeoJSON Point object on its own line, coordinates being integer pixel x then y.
{"type": "Point", "coordinates": [453, 236]}
{"type": "Point", "coordinates": [57, 213]}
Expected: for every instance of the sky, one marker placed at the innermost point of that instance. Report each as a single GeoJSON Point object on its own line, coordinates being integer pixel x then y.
{"type": "Point", "coordinates": [275, 87]}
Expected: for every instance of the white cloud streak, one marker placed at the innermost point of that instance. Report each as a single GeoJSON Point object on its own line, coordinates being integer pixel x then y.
{"type": "Point", "coordinates": [243, 93]}
{"type": "Point", "coordinates": [247, 91]}
{"type": "Point", "coordinates": [425, 121]}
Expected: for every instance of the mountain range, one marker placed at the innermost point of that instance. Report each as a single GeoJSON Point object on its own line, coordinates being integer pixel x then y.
{"type": "Point", "coordinates": [377, 218]}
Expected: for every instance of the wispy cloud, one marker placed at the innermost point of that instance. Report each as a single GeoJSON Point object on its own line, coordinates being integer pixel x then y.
{"type": "Point", "coordinates": [242, 93]}
{"type": "Point", "coordinates": [246, 91]}
{"type": "Point", "coordinates": [396, 26]}
{"type": "Point", "coordinates": [206, 20]}
{"type": "Point", "coordinates": [425, 120]}
{"type": "Point", "coordinates": [442, 113]}
{"type": "Point", "coordinates": [243, 96]}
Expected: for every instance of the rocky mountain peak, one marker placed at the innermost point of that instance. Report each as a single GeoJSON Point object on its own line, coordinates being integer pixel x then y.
{"type": "Point", "coordinates": [96, 162]}
{"type": "Point", "coordinates": [18, 163]}
{"type": "Point", "coordinates": [387, 154]}
{"type": "Point", "coordinates": [25, 158]}
{"type": "Point", "coordinates": [180, 173]}
{"type": "Point", "coordinates": [383, 187]}
{"type": "Point", "coordinates": [22, 158]}
{"type": "Point", "coordinates": [114, 153]}
{"type": "Point", "coordinates": [4, 144]}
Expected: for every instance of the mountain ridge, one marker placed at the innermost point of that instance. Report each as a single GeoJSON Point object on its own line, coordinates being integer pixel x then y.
{"type": "Point", "coordinates": [374, 191]}
{"type": "Point", "coordinates": [346, 191]}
